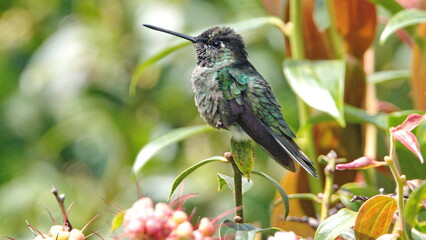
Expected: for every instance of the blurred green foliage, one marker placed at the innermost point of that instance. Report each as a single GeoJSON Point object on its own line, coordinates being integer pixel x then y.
{"type": "Point", "coordinates": [67, 119]}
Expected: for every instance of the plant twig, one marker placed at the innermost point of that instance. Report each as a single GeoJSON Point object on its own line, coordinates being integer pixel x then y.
{"type": "Point", "coordinates": [399, 180]}
{"type": "Point", "coordinates": [238, 191]}
{"type": "Point", "coordinates": [329, 181]}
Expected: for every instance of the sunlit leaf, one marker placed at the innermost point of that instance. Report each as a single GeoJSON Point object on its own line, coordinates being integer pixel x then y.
{"type": "Point", "coordinates": [227, 180]}
{"type": "Point", "coordinates": [189, 170]}
{"type": "Point", "coordinates": [242, 231]}
{"type": "Point", "coordinates": [390, 75]}
{"type": "Point", "coordinates": [403, 134]}
{"type": "Point", "coordinates": [360, 163]}
{"type": "Point", "coordinates": [402, 19]}
{"type": "Point", "coordinates": [117, 220]}
{"type": "Point", "coordinates": [414, 205]}
{"type": "Point", "coordinates": [374, 217]}
{"type": "Point", "coordinates": [334, 225]}
{"type": "Point", "coordinates": [280, 191]}
{"type": "Point", "coordinates": [319, 83]}
{"type": "Point", "coordinates": [173, 136]}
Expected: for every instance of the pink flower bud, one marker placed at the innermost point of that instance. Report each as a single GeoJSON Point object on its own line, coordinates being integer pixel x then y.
{"type": "Point", "coordinates": [162, 211]}
{"type": "Point", "coordinates": [134, 228]}
{"type": "Point", "coordinates": [152, 226]}
{"type": "Point", "coordinates": [184, 230]}
{"type": "Point", "coordinates": [76, 234]}
{"type": "Point", "coordinates": [206, 227]}
{"type": "Point", "coordinates": [143, 203]}
{"type": "Point", "coordinates": [179, 217]}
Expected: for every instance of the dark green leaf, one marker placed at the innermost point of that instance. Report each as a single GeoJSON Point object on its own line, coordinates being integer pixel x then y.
{"type": "Point", "coordinates": [189, 170]}
{"type": "Point", "coordinates": [165, 140]}
{"type": "Point", "coordinates": [354, 115]}
{"type": "Point", "coordinates": [227, 180]}
{"type": "Point", "coordinates": [359, 189]}
{"type": "Point", "coordinates": [280, 190]}
{"type": "Point", "coordinates": [334, 225]}
{"type": "Point", "coordinates": [243, 154]}
{"type": "Point", "coordinates": [357, 115]}
{"type": "Point", "coordinates": [390, 5]}
{"type": "Point", "coordinates": [402, 19]}
{"type": "Point", "coordinates": [318, 80]}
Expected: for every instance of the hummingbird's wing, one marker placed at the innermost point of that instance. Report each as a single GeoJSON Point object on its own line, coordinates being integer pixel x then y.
{"type": "Point", "coordinates": [259, 114]}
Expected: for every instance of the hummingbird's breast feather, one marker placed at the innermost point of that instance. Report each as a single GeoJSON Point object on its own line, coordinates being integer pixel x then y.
{"type": "Point", "coordinates": [209, 98]}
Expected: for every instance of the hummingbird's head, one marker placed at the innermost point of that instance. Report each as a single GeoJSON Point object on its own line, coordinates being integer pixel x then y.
{"type": "Point", "coordinates": [219, 44]}
{"type": "Point", "coordinates": [215, 45]}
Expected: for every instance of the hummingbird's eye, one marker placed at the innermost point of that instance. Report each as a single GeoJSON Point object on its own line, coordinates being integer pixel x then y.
{"type": "Point", "coordinates": [217, 44]}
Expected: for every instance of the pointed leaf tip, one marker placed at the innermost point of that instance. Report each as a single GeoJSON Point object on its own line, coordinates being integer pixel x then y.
{"type": "Point", "coordinates": [360, 163]}
{"type": "Point", "coordinates": [403, 134]}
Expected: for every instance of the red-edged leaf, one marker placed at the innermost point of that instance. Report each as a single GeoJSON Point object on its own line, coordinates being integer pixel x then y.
{"type": "Point", "coordinates": [360, 163]}
{"type": "Point", "coordinates": [410, 123]}
{"type": "Point", "coordinates": [403, 134]}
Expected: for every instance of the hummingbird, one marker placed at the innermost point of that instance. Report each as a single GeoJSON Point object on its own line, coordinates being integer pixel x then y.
{"type": "Point", "coordinates": [231, 94]}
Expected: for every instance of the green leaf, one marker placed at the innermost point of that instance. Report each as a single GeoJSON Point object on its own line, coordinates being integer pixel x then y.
{"type": "Point", "coordinates": [242, 231]}
{"type": "Point", "coordinates": [386, 76]}
{"type": "Point", "coordinates": [280, 190]}
{"type": "Point", "coordinates": [414, 205]}
{"type": "Point", "coordinates": [402, 19]}
{"type": "Point", "coordinates": [227, 180]}
{"type": "Point", "coordinates": [375, 217]}
{"type": "Point", "coordinates": [356, 115]}
{"type": "Point", "coordinates": [390, 5]}
{"type": "Point", "coordinates": [250, 24]}
{"type": "Point", "coordinates": [334, 225]}
{"type": "Point", "coordinates": [359, 189]}
{"type": "Point", "coordinates": [319, 83]}
{"type": "Point", "coordinates": [149, 150]}
{"type": "Point", "coordinates": [117, 220]}
{"type": "Point", "coordinates": [243, 154]}
{"type": "Point", "coordinates": [189, 170]}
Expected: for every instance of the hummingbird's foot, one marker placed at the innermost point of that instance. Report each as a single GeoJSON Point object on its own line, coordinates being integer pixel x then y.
{"type": "Point", "coordinates": [219, 124]}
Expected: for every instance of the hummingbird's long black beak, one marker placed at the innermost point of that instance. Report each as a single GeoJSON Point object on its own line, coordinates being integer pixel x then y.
{"type": "Point", "coordinates": [189, 38]}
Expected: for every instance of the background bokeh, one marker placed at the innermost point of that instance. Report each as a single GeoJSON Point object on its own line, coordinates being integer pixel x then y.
{"type": "Point", "coordinates": [67, 118]}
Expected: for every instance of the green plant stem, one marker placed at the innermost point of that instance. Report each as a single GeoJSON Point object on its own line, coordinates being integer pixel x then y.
{"type": "Point", "coordinates": [336, 43]}
{"type": "Point", "coordinates": [328, 189]}
{"type": "Point", "coordinates": [238, 192]}
{"type": "Point", "coordinates": [400, 181]}
{"type": "Point", "coordinates": [298, 52]}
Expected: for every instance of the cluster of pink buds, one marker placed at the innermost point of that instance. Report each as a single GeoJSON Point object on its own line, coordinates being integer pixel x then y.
{"type": "Point", "coordinates": [59, 232]}
{"type": "Point", "coordinates": [143, 221]}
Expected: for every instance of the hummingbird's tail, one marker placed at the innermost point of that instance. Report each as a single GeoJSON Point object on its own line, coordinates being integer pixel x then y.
{"type": "Point", "coordinates": [281, 148]}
